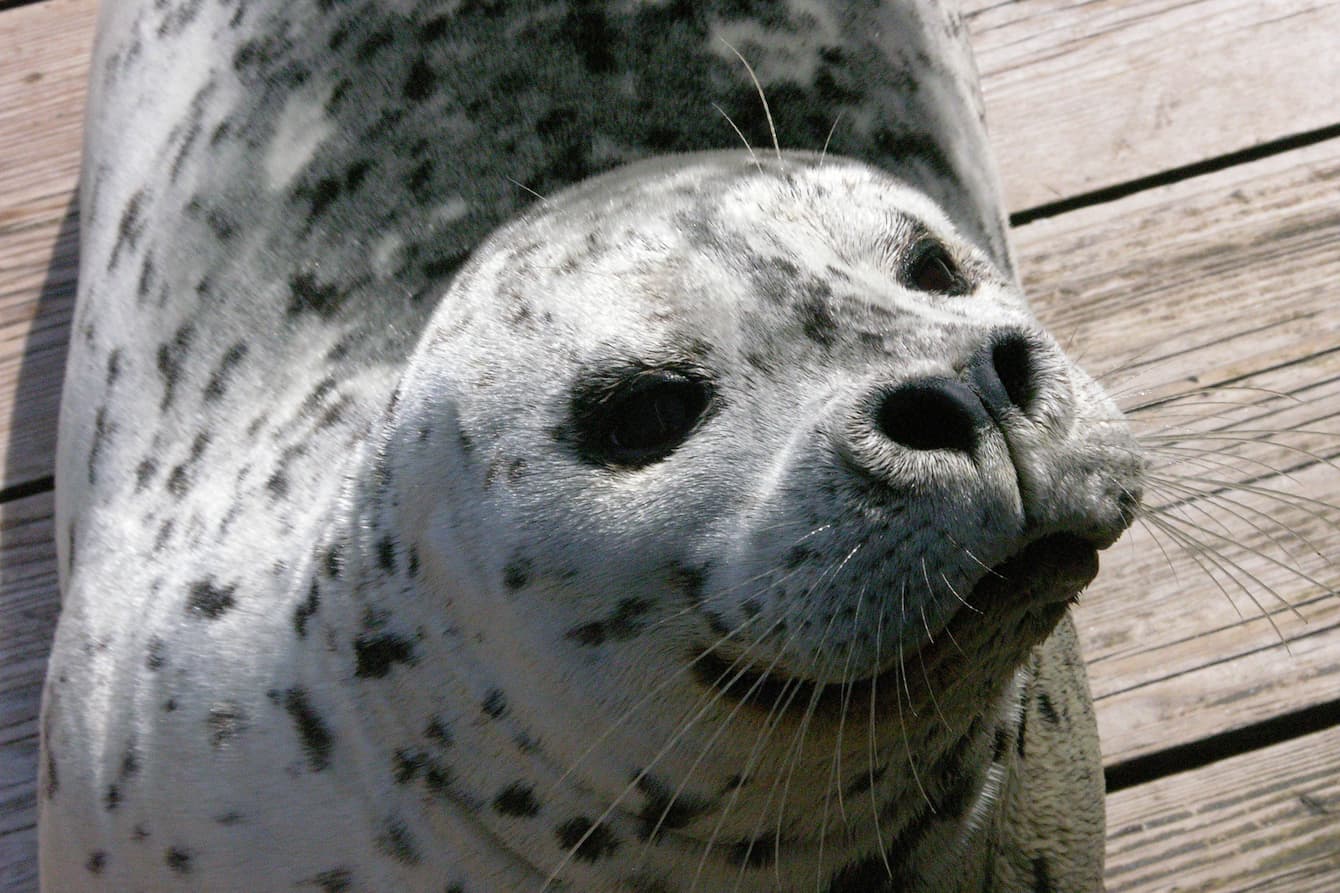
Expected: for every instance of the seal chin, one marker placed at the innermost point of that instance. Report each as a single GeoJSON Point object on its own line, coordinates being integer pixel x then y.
{"type": "Point", "coordinates": [1028, 593]}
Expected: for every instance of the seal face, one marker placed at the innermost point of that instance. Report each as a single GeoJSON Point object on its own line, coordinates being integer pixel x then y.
{"type": "Point", "coordinates": [712, 527]}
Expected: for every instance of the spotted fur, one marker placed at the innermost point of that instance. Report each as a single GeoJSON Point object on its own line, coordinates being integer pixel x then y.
{"type": "Point", "coordinates": [368, 596]}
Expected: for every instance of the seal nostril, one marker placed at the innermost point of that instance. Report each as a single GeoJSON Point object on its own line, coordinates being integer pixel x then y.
{"type": "Point", "coordinates": [932, 414]}
{"type": "Point", "coordinates": [1012, 358]}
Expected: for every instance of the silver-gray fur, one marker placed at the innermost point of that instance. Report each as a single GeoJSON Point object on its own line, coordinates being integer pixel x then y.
{"type": "Point", "coordinates": [709, 525]}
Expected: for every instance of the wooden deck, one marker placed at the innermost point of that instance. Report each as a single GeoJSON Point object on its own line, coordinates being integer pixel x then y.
{"type": "Point", "coordinates": [1174, 173]}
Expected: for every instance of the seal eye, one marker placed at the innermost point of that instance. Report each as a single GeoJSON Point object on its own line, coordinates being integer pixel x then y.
{"type": "Point", "coordinates": [643, 418]}
{"type": "Point", "coordinates": [652, 417]}
{"type": "Point", "coordinates": [932, 269]}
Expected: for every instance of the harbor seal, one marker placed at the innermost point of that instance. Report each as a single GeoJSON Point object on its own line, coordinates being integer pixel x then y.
{"type": "Point", "coordinates": [468, 481]}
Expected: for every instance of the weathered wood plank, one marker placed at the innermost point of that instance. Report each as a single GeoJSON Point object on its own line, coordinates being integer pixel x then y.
{"type": "Point", "coordinates": [1225, 278]}
{"type": "Point", "coordinates": [1265, 821]}
{"type": "Point", "coordinates": [28, 607]}
{"type": "Point", "coordinates": [44, 50]}
{"type": "Point", "coordinates": [1083, 94]}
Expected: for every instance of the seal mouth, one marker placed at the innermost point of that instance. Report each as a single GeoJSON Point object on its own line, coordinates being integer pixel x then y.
{"type": "Point", "coordinates": [1011, 608]}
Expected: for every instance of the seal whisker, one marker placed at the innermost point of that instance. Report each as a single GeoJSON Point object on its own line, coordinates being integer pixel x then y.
{"type": "Point", "coordinates": [1228, 538]}
{"type": "Point", "coordinates": [1177, 528]}
{"type": "Point", "coordinates": [740, 134]}
{"type": "Point", "coordinates": [835, 764]}
{"type": "Point", "coordinates": [1206, 485]}
{"type": "Point", "coordinates": [798, 739]}
{"type": "Point", "coordinates": [1221, 497]}
{"type": "Point", "coordinates": [683, 728]}
{"type": "Point", "coordinates": [823, 153]}
{"type": "Point", "coordinates": [671, 679]}
{"type": "Point", "coordinates": [872, 750]}
{"type": "Point", "coordinates": [767, 112]}
{"type": "Point", "coordinates": [517, 183]}
{"type": "Point", "coordinates": [790, 688]}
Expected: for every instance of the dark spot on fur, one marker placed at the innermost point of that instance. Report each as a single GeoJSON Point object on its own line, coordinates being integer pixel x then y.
{"type": "Point", "coordinates": [181, 477]}
{"type": "Point", "coordinates": [356, 173]}
{"type": "Point", "coordinates": [495, 704]}
{"type": "Point", "coordinates": [420, 82]}
{"type": "Point", "coordinates": [373, 43]}
{"type": "Point", "coordinates": [334, 880]}
{"type": "Point", "coordinates": [590, 842]}
{"type": "Point", "coordinates": [374, 655]}
{"type": "Point", "coordinates": [130, 762]}
{"type": "Point", "coordinates": [113, 367]}
{"type": "Point", "coordinates": [1042, 881]}
{"type": "Point", "coordinates": [434, 29]}
{"type": "Point", "coordinates": [797, 556]}
{"type": "Point", "coordinates": [398, 843]}
{"type": "Point", "coordinates": [321, 195]}
{"type": "Point", "coordinates": [102, 430]}
{"type": "Point", "coordinates": [334, 561]}
{"type": "Point", "coordinates": [407, 764]}
{"type": "Point", "coordinates": [625, 623]}
{"type": "Point", "coordinates": [218, 380]}
{"type": "Point", "coordinates": [517, 799]}
{"type": "Point", "coordinates": [148, 274]}
{"type": "Point", "coordinates": [225, 722]}
{"type": "Point", "coordinates": [171, 355]}
{"type": "Point", "coordinates": [178, 860]}
{"type": "Point", "coordinates": [1047, 708]}
{"type": "Point", "coordinates": [210, 601]}
{"type": "Point", "coordinates": [689, 581]}
{"type": "Point", "coordinates": [305, 609]}
{"type": "Point", "coordinates": [157, 655]}
{"type": "Point", "coordinates": [664, 809]}
{"type": "Point", "coordinates": [130, 228]}
{"type": "Point", "coordinates": [438, 732]}
{"type": "Point", "coordinates": [817, 321]}
{"type": "Point", "coordinates": [517, 573]}
{"type": "Point", "coordinates": [311, 728]}
{"type": "Point", "coordinates": [112, 799]}
{"type": "Point", "coordinates": [386, 554]}
{"type": "Point", "coordinates": [307, 295]}
{"type": "Point", "coordinates": [97, 861]}
{"type": "Point", "coordinates": [591, 34]}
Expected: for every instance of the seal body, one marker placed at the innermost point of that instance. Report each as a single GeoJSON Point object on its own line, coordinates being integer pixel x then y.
{"type": "Point", "coordinates": [467, 483]}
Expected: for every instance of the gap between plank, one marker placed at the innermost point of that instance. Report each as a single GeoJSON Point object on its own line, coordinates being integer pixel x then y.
{"type": "Point", "coordinates": [27, 488]}
{"type": "Point", "coordinates": [1174, 175]}
{"type": "Point", "coordinates": [1195, 754]}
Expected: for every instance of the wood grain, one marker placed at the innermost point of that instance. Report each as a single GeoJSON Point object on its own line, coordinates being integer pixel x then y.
{"type": "Point", "coordinates": [44, 51]}
{"type": "Point", "coordinates": [1265, 821]}
{"type": "Point", "coordinates": [1083, 94]}
{"type": "Point", "coordinates": [28, 608]}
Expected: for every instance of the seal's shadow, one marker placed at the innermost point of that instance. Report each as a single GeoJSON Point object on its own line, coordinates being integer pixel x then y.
{"type": "Point", "coordinates": [29, 600]}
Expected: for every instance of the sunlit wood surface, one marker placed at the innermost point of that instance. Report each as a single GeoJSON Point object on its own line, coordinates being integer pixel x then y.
{"type": "Point", "coordinates": [1175, 171]}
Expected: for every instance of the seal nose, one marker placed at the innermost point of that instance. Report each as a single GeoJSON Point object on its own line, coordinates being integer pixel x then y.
{"type": "Point", "coordinates": [940, 413]}
{"type": "Point", "coordinates": [1004, 373]}
{"type": "Point", "coordinates": [933, 414]}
